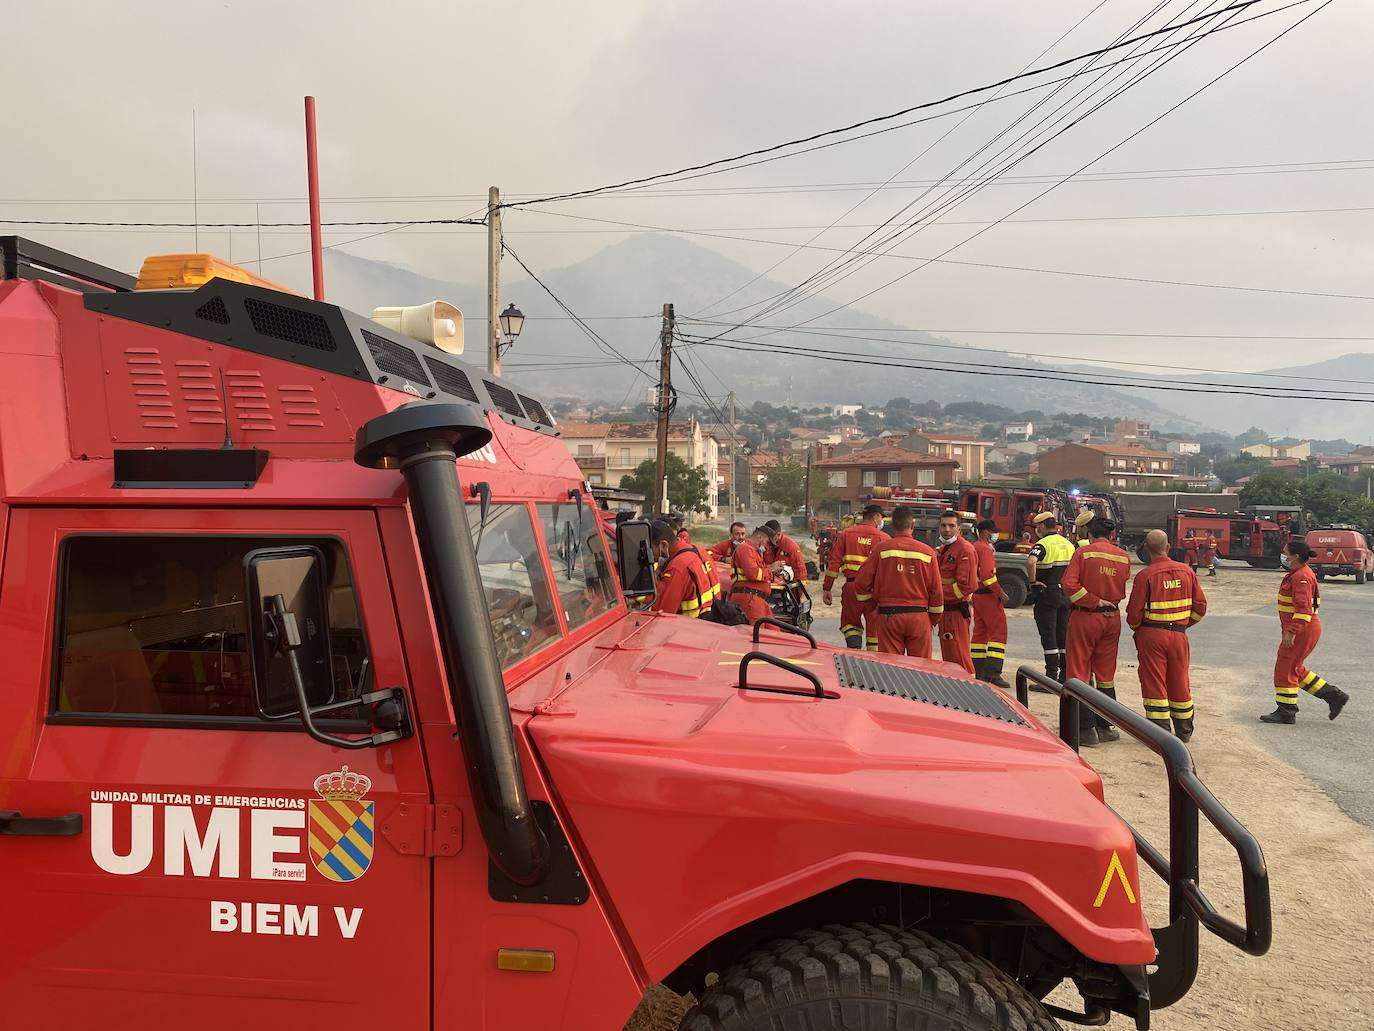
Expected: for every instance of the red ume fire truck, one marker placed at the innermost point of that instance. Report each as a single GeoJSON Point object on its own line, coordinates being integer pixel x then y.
{"type": "Point", "coordinates": [322, 706]}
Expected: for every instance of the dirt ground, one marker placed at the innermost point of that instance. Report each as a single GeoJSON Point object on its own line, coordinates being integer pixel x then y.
{"type": "Point", "coordinates": [1320, 972]}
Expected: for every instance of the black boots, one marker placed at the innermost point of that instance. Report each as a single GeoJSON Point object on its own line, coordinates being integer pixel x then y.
{"type": "Point", "coordinates": [1286, 713]}
{"type": "Point", "coordinates": [1335, 698]}
{"type": "Point", "coordinates": [1183, 729]}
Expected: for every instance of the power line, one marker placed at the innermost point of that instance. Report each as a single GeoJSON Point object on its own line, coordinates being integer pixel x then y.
{"type": "Point", "coordinates": [878, 361]}
{"type": "Point", "coordinates": [978, 264]}
{"type": "Point", "coordinates": [1106, 175]}
{"type": "Point", "coordinates": [839, 330]}
{"type": "Point", "coordinates": [1154, 121]}
{"type": "Point", "coordinates": [887, 182]}
{"type": "Point", "coordinates": [595, 337]}
{"type": "Point", "coordinates": [880, 118]}
{"type": "Point", "coordinates": [1104, 362]}
{"type": "Point", "coordinates": [834, 272]}
{"type": "Point", "coordinates": [397, 222]}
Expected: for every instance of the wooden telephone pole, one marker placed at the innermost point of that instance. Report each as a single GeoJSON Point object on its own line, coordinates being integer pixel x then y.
{"type": "Point", "coordinates": [664, 408]}
{"type": "Point", "coordinates": [494, 281]}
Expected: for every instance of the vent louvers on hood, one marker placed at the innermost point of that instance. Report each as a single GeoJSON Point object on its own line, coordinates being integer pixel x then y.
{"type": "Point", "coordinates": [291, 325]}
{"type": "Point", "coordinates": [504, 399]}
{"type": "Point", "coordinates": [395, 359]}
{"type": "Point", "coordinates": [214, 310]}
{"type": "Point", "coordinates": [919, 686]}
{"type": "Point", "coordinates": [451, 380]}
{"type": "Point", "coordinates": [535, 410]}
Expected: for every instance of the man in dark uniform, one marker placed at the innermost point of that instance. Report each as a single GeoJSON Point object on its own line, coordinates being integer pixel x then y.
{"type": "Point", "coordinates": [1045, 566]}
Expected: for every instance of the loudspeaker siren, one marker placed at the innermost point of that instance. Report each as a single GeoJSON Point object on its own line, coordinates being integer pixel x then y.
{"type": "Point", "coordinates": [437, 323]}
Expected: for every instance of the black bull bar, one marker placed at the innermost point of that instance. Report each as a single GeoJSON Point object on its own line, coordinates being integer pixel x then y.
{"type": "Point", "coordinates": [1177, 943]}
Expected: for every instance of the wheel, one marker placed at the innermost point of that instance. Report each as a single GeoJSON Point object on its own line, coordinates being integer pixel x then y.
{"type": "Point", "coordinates": [1321, 577]}
{"type": "Point", "coordinates": [1015, 588]}
{"type": "Point", "coordinates": [860, 978]}
{"type": "Point", "coordinates": [1359, 576]}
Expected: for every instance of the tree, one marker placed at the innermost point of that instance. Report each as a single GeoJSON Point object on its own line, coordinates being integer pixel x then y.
{"type": "Point", "coordinates": [784, 486]}
{"type": "Point", "coordinates": [1229, 470]}
{"type": "Point", "coordinates": [687, 485]}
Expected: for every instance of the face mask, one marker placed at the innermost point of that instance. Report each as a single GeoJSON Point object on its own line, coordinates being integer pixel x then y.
{"type": "Point", "coordinates": [1285, 561]}
{"type": "Point", "coordinates": [948, 540]}
{"type": "Point", "coordinates": [994, 537]}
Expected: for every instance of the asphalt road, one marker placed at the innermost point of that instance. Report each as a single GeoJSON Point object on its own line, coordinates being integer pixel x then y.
{"type": "Point", "coordinates": [1336, 755]}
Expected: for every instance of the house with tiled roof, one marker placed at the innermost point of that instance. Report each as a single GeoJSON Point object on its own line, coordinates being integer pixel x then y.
{"type": "Point", "coordinates": [849, 477]}
{"type": "Point", "coordinates": [1126, 466]}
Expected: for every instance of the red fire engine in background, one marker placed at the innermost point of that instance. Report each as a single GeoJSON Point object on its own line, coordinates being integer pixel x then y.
{"type": "Point", "coordinates": [1240, 536]}
{"type": "Point", "coordinates": [323, 704]}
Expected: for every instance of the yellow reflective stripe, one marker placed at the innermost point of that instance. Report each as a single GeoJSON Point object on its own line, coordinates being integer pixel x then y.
{"type": "Point", "coordinates": [958, 592]}
{"type": "Point", "coordinates": [1286, 608]}
{"type": "Point", "coordinates": [1304, 616]}
{"type": "Point", "coordinates": [1181, 603]}
{"type": "Point", "coordinates": [1107, 555]}
{"type": "Point", "coordinates": [1286, 597]}
{"type": "Point", "coordinates": [937, 610]}
{"type": "Point", "coordinates": [1195, 615]}
{"type": "Point", "coordinates": [854, 558]}
{"type": "Point", "coordinates": [863, 597]}
{"type": "Point", "coordinates": [989, 581]}
{"type": "Point", "coordinates": [907, 554]}
{"type": "Point", "coordinates": [850, 567]}
{"type": "Point", "coordinates": [1167, 617]}
{"type": "Point", "coordinates": [1082, 592]}
{"type": "Point", "coordinates": [1156, 703]}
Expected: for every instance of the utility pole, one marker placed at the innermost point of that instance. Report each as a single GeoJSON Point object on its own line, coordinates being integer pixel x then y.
{"type": "Point", "coordinates": [664, 409]}
{"type": "Point", "coordinates": [734, 452]}
{"type": "Point", "coordinates": [494, 281]}
{"type": "Point", "coordinates": [806, 505]}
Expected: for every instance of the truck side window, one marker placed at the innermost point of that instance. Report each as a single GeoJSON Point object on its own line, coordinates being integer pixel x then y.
{"type": "Point", "coordinates": [157, 626]}
{"type": "Point", "coordinates": [1003, 503]}
{"type": "Point", "coordinates": [518, 598]}
{"type": "Point", "coordinates": [581, 571]}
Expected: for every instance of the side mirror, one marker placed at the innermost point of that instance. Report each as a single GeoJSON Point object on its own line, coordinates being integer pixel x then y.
{"type": "Point", "coordinates": [288, 629]}
{"type": "Point", "coordinates": [635, 558]}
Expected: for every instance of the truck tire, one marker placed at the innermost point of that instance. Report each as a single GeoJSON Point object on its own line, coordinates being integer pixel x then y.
{"type": "Point", "coordinates": [863, 978]}
{"type": "Point", "coordinates": [1359, 576]}
{"type": "Point", "coordinates": [1015, 588]}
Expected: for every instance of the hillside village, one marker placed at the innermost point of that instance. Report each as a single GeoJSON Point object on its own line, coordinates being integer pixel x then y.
{"type": "Point", "coordinates": [851, 449]}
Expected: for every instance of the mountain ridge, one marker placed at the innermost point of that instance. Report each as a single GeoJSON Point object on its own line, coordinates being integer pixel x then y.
{"type": "Point", "coordinates": [640, 272]}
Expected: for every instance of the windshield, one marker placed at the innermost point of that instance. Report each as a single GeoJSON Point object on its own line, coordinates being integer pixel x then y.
{"type": "Point", "coordinates": [523, 604]}
{"type": "Point", "coordinates": [581, 572]}
{"type": "Point", "coordinates": [523, 618]}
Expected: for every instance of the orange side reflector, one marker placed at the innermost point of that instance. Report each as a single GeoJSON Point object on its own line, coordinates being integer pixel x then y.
{"type": "Point", "coordinates": [531, 961]}
{"type": "Point", "coordinates": [188, 271]}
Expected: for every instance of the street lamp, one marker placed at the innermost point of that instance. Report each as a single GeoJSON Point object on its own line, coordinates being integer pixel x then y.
{"type": "Point", "coordinates": [512, 322]}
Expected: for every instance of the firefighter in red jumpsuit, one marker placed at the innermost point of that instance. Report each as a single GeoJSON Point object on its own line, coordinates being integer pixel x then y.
{"type": "Point", "coordinates": [901, 580]}
{"type": "Point", "coordinates": [847, 555]}
{"type": "Point", "coordinates": [685, 586]}
{"type": "Point", "coordinates": [782, 550]}
{"type": "Point", "coordinates": [1166, 600]}
{"type": "Point", "coordinates": [1207, 553]}
{"type": "Point", "coordinates": [752, 581]}
{"type": "Point", "coordinates": [959, 578]}
{"type": "Point", "coordinates": [1299, 602]}
{"type": "Point", "coordinates": [722, 551]}
{"type": "Point", "coordinates": [1095, 583]}
{"type": "Point", "coordinates": [989, 644]}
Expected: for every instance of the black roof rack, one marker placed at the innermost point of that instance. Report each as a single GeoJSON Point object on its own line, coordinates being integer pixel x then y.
{"type": "Point", "coordinates": [322, 336]}
{"type": "Point", "coordinates": [24, 259]}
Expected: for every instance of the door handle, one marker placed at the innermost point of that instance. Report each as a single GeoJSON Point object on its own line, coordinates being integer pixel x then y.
{"type": "Point", "coordinates": [15, 824]}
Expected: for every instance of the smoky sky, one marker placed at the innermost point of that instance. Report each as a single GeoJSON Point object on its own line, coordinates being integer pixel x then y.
{"type": "Point", "coordinates": [424, 105]}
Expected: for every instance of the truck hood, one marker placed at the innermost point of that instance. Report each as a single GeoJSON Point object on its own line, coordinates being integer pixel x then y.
{"type": "Point", "coordinates": [702, 805]}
